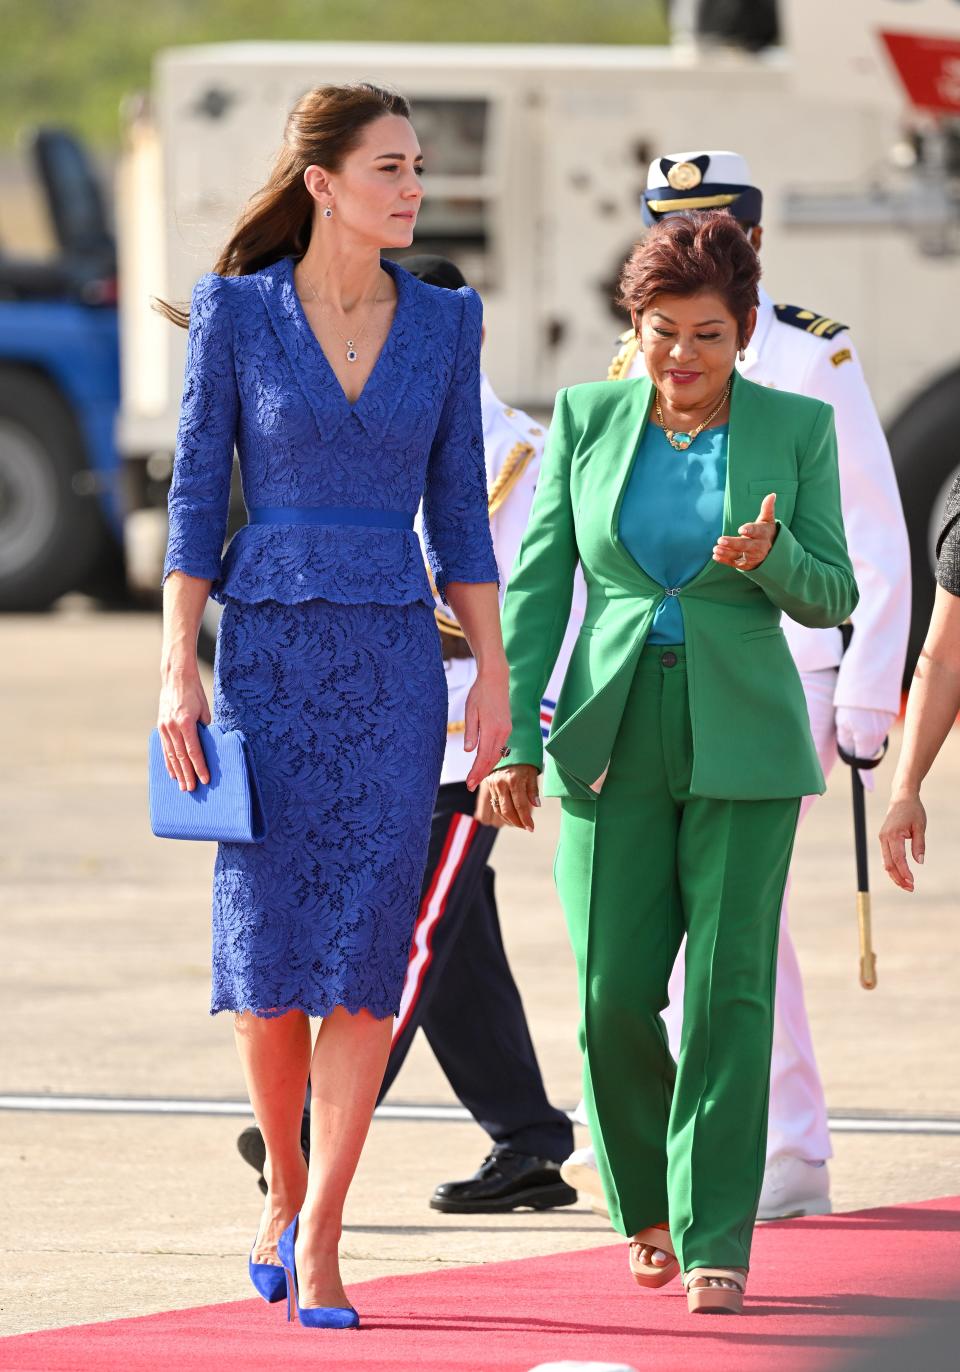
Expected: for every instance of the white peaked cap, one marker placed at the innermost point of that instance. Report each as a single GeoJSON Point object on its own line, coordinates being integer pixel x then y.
{"type": "Point", "coordinates": [729, 168]}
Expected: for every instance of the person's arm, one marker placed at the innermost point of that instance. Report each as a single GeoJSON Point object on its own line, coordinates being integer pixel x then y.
{"type": "Point", "coordinates": [197, 506]}
{"type": "Point", "coordinates": [487, 710]}
{"type": "Point", "coordinates": [183, 701]}
{"type": "Point", "coordinates": [807, 572]}
{"type": "Point", "coordinates": [867, 697]}
{"type": "Point", "coordinates": [456, 535]}
{"type": "Point", "coordinates": [199, 498]}
{"type": "Point", "coordinates": [872, 667]}
{"type": "Point", "coordinates": [535, 616]}
{"type": "Point", "coordinates": [932, 708]}
{"type": "Point", "coordinates": [456, 520]}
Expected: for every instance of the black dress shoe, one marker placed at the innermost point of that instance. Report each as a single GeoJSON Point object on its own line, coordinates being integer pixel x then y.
{"type": "Point", "coordinates": [506, 1181]}
{"type": "Point", "coordinates": [251, 1148]}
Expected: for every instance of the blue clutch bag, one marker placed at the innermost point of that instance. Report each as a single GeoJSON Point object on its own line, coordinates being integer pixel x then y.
{"type": "Point", "coordinates": [227, 809]}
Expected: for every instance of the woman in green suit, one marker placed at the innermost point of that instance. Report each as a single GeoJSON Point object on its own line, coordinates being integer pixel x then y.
{"type": "Point", "coordinates": [700, 506]}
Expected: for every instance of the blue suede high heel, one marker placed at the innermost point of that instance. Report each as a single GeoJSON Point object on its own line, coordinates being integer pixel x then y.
{"type": "Point", "coordinates": [269, 1280]}
{"type": "Point", "coordinates": [315, 1317]}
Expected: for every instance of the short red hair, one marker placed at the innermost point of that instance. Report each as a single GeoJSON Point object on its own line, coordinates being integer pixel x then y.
{"type": "Point", "coordinates": [684, 254]}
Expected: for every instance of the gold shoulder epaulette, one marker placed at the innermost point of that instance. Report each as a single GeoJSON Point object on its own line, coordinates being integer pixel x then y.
{"type": "Point", "coordinates": [809, 321]}
{"type": "Point", "coordinates": [620, 364]}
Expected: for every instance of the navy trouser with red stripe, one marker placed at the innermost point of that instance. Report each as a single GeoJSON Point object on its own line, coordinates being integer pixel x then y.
{"type": "Point", "coordinates": [461, 992]}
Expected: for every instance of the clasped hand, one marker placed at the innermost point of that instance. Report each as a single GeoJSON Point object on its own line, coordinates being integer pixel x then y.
{"type": "Point", "coordinates": [749, 550]}
{"type": "Point", "coordinates": [513, 792]}
{"type": "Point", "coordinates": [183, 703]}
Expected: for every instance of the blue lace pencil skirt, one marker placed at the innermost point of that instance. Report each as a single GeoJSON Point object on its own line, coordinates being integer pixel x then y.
{"type": "Point", "coordinates": [345, 709]}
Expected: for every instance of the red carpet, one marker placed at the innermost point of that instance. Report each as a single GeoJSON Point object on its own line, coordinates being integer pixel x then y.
{"type": "Point", "coordinates": [821, 1291]}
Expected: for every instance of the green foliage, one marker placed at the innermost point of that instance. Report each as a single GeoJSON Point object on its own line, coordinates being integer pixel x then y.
{"type": "Point", "coordinates": [73, 61]}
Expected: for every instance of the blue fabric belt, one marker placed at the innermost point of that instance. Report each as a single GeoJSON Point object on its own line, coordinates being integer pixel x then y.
{"type": "Point", "coordinates": [330, 514]}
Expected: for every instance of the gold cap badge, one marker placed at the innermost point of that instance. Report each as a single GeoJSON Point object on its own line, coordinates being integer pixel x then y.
{"type": "Point", "coordinates": [683, 176]}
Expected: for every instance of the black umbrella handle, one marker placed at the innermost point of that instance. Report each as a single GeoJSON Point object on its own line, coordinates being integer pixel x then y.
{"type": "Point", "coordinates": [864, 764]}
{"type": "Point", "coordinates": [860, 831]}
{"type": "Point", "coordinates": [868, 961]}
{"type": "Point", "coordinates": [860, 808]}
{"type": "Point", "coordinates": [867, 956]}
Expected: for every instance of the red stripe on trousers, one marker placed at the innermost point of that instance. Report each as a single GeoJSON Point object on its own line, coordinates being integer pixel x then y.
{"type": "Point", "coordinates": [448, 880]}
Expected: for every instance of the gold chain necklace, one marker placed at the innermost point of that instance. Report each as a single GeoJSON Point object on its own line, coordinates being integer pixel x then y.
{"type": "Point", "coordinates": [349, 343]}
{"type": "Point", "coordinates": [681, 442]}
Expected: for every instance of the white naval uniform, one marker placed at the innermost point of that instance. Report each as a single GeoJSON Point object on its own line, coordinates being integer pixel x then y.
{"type": "Point", "coordinates": [513, 445]}
{"type": "Point", "coordinates": [816, 357]}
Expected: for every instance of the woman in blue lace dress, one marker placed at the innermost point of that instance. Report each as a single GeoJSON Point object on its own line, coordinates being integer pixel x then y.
{"type": "Point", "coordinates": [350, 391]}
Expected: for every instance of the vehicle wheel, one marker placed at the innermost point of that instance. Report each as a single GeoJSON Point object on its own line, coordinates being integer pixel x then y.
{"type": "Point", "coordinates": [923, 445]}
{"type": "Point", "coordinates": [50, 536]}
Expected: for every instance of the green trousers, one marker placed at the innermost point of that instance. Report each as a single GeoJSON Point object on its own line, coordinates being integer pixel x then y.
{"type": "Point", "coordinates": [636, 869]}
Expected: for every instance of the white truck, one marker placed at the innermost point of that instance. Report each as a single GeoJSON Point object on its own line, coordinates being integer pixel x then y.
{"type": "Point", "coordinates": [536, 158]}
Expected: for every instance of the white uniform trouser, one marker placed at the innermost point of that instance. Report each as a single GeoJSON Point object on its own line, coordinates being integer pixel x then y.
{"type": "Point", "coordinates": [798, 1108]}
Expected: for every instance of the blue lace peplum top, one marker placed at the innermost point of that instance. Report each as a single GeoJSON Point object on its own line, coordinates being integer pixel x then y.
{"type": "Point", "coordinates": [257, 380]}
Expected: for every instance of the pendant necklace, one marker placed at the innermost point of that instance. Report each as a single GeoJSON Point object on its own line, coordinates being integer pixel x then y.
{"type": "Point", "coordinates": [349, 343]}
{"type": "Point", "coordinates": [680, 442]}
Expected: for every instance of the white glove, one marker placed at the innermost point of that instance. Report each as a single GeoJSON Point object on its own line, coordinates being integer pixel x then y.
{"type": "Point", "coordinates": [861, 733]}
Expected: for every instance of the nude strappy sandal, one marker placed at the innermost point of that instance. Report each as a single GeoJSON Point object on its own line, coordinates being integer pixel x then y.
{"type": "Point", "coordinates": [647, 1273]}
{"type": "Point", "coordinates": [715, 1300]}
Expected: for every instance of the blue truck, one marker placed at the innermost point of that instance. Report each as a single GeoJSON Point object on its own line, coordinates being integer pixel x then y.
{"type": "Point", "coordinates": [60, 473]}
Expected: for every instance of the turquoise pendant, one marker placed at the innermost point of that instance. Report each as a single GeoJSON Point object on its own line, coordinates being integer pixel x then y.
{"type": "Point", "coordinates": [680, 441]}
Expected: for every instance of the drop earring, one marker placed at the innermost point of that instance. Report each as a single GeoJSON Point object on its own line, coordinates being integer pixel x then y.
{"type": "Point", "coordinates": [742, 354]}
{"type": "Point", "coordinates": [327, 212]}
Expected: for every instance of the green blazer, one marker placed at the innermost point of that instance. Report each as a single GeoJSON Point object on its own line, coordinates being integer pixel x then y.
{"type": "Point", "coordinates": [751, 732]}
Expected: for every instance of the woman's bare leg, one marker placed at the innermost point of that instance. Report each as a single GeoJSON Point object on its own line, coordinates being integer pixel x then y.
{"type": "Point", "coordinates": [349, 1060]}
{"type": "Point", "coordinates": [275, 1054]}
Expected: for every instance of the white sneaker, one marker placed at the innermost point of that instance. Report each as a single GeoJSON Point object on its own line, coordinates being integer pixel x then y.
{"type": "Point", "coordinates": [793, 1187]}
{"type": "Point", "coordinates": [580, 1172]}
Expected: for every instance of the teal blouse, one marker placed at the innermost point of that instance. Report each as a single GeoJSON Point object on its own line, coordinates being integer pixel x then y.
{"type": "Point", "coordinates": [672, 515]}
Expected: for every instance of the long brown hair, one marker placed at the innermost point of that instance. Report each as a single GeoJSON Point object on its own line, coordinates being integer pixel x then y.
{"type": "Point", "coordinates": [324, 126]}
